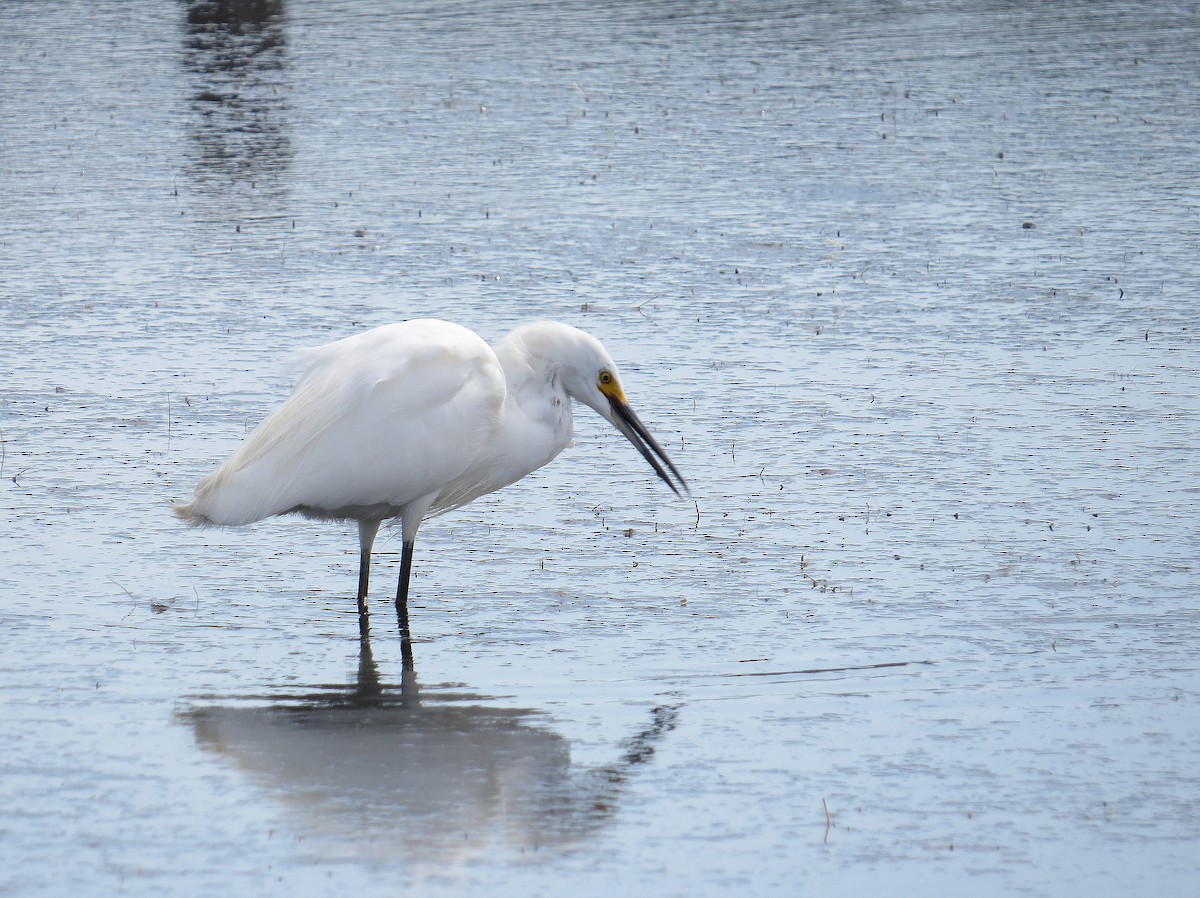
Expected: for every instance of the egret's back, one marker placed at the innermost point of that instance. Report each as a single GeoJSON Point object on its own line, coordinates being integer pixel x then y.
{"type": "Point", "coordinates": [378, 420]}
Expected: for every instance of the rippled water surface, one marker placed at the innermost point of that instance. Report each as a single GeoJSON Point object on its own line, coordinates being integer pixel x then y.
{"type": "Point", "coordinates": [908, 291]}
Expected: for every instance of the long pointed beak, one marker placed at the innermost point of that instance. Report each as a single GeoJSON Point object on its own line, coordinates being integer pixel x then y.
{"type": "Point", "coordinates": [635, 431]}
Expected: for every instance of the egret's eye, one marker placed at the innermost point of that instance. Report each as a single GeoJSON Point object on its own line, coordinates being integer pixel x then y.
{"type": "Point", "coordinates": [606, 378]}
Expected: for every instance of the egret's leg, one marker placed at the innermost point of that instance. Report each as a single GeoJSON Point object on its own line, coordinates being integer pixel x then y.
{"type": "Point", "coordinates": [366, 538]}
{"type": "Point", "coordinates": [402, 604]}
{"type": "Point", "coordinates": [410, 519]}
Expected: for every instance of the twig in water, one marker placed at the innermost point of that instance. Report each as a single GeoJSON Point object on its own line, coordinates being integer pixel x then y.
{"type": "Point", "coordinates": [828, 820]}
{"type": "Point", "coordinates": [122, 588]}
{"type": "Point", "coordinates": [132, 597]}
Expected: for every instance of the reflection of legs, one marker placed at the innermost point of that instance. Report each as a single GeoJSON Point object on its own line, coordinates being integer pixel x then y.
{"type": "Point", "coordinates": [402, 604]}
{"type": "Point", "coordinates": [369, 686]}
{"type": "Point", "coordinates": [366, 538]}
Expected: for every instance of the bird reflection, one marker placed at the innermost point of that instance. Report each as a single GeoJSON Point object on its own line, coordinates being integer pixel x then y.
{"type": "Point", "coordinates": [439, 775]}
{"type": "Point", "coordinates": [236, 51]}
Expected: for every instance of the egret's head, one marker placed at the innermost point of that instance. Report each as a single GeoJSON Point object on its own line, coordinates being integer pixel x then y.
{"type": "Point", "coordinates": [589, 375]}
{"type": "Point", "coordinates": [621, 416]}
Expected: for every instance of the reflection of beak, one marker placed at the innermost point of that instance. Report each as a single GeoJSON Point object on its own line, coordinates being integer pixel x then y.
{"type": "Point", "coordinates": [635, 431]}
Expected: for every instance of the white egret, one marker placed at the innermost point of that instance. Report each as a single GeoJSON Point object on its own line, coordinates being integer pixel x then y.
{"type": "Point", "coordinates": [416, 419]}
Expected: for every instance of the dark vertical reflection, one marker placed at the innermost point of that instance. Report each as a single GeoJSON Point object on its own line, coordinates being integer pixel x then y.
{"type": "Point", "coordinates": [236, 52]}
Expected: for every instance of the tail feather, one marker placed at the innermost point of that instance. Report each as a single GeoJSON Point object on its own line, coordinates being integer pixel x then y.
{"type": "Point", "coordinates": [189, 514]}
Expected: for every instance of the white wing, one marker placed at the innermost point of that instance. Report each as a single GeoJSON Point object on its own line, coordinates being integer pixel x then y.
{"type": "Point", "coordinates": [380, 418]}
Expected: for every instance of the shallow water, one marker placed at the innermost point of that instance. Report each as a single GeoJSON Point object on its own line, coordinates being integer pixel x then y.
{"type": "Point", "coordinates": [909, 293]}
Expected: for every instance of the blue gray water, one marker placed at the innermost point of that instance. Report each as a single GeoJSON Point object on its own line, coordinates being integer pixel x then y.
{"type": "Point", "coordinates": [908, 291]}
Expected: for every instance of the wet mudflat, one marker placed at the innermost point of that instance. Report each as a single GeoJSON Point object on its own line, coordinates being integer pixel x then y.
{"type": "Point", "coordinates": [909, 294]}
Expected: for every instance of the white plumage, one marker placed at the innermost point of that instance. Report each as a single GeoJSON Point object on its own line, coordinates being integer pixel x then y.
{"type": "Point", "coordinates": [413, 419]}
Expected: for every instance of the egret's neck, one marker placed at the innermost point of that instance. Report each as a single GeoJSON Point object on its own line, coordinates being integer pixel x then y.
{"type": "Point", "coordinates": [537, 422]}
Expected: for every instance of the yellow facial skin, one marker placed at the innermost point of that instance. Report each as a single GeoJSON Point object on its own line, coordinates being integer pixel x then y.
{"type": "Point", "coordinates": [610, 388]}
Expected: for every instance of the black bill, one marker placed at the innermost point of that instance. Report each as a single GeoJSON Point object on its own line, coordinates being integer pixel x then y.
{"type": "Point", "coordinates": [635, 431]}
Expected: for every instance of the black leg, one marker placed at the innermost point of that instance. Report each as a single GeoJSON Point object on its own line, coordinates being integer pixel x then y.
{"type": "Point", "coordinates": [366, 537]}
{"type": "Point", "coordinates": [406, 652]}
{"type": "Point", "coordinates": [364, 575]}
